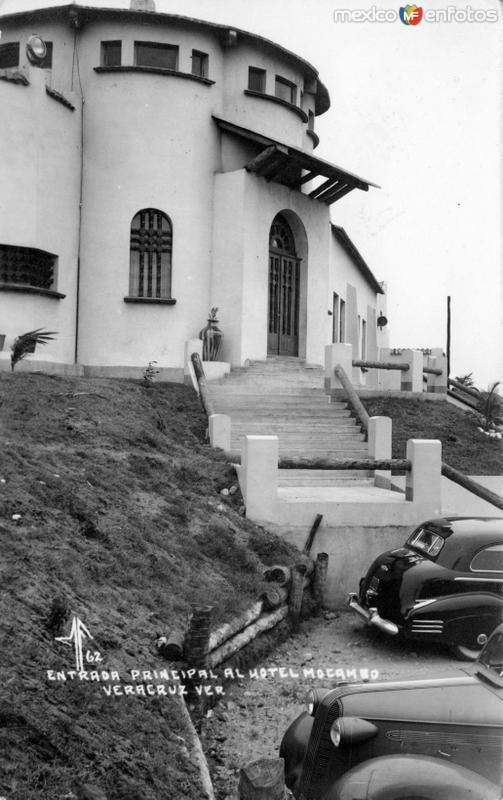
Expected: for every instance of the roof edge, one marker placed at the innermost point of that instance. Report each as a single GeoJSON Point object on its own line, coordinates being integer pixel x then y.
{"type": "Point", "coordinates": [357, 258]}
{"type": "Point", "coordinates": [322, 103]}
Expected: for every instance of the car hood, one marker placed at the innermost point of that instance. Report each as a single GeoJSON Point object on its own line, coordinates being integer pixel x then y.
{"type": "Point", "coordinates": [463, 699]}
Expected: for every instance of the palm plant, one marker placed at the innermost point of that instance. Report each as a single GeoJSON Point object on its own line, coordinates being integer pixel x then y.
{"type": "Point", "coordinates": [490, 407]}
{"type": "Point", "coordinates": [25, 344]}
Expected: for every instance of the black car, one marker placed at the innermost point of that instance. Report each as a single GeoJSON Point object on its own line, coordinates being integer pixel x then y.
{"type": "Point", "coordinates": [436, 739]}
{"type": "Point", "coordinates": [444, 585]}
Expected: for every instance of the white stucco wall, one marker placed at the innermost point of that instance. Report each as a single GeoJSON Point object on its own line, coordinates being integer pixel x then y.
{"type": "Point", "coordinates": [245, 208]}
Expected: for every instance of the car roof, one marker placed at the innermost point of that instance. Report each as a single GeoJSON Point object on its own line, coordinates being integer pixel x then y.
{"type": "Point", "coordinates": [483, 529]}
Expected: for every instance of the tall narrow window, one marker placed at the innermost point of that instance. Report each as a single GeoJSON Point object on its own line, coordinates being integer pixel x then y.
{"type": "Point", "coordinates": [9, 55]}
{"type": "Point", "coordinates": [342, 321]}
{"type": "Point", "coordinates": [256, 79]}
{"type": "Point", "coordinates": [285, 90]}
{"type": "Point", "coordinates": [200, 64]}
{"type": "Point", "coordinates": [335, 318]}
{"type": "Point", "coordinates": [310, 120]}
{"type": "Point", "coordinates": [111, 54]}
{"type": "Point", "coordinates": [155, 54]}
{"type": "Point", "coordinates": [364, 340]}
{"type": "Point", "coordinates": [150, 255]}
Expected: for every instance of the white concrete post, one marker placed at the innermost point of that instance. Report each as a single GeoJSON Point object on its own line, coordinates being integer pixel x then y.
{"type": "Point", "coordinates": [259, 476]}
{"type": "Point", "coordinates": [337, 354]}
{"type": "Point", "coordinates": [379, 446]}
{"type": "Point", "coordinates": [220, 431]}
{"type": "Point", "coordinates": [192, 346]}
{"type": "Point", "coordinates": [412, 380]}
{"type": "Point", "coordinates": [423, 482]}
{"type": "Point", "coordinates": [388, 380]}
{"type": "Point", "coordinates": [437, 383]}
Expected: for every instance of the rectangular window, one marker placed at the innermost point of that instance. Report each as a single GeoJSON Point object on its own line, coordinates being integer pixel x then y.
{"type": "Point", "coordinates": [111, 54]}
{"type": "Point", "coordinates": [342, 321]}
{"type": "Point", "coordinates": [153, 54]}
{"type": "Point", "coordinates": [364, 340]}
{"type": "Point", "coordinates": [200, 64]}
{"type": "Point", "coordinates": [9, 55]}
{"type": "Point", "coordinates": [335, 318]}
{"type": "Point", "coordinates": [256, 79]}
{"type": "Point", "coordinates": [285, 90]}
{"type": "Point", "coordinates": [310, 120]}
{"type": "Point", "coordinates": [47, 62]}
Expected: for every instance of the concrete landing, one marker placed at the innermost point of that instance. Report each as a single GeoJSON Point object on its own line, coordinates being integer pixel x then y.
{"type": "Point", "coordinates": [339, 494]}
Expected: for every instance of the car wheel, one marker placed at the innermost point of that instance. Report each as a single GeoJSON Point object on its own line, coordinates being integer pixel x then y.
{"type": "Point", "coordinates": [463, 653]}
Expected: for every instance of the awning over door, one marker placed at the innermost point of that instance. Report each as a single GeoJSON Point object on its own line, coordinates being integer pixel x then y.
{"type": "Point", "coordinates": [293, 167]}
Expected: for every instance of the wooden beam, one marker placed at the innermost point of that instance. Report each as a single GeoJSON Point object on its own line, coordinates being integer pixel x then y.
{"type": "Point", "coordinates": [263, 158]}
{"type": "Point", "coordinates": [332, 198]}
{"type": "Point", "coordinates": [337, 189]}
{"type": "Point", "coordinates": [273, 170]}
{"type": "Point", "coordinates": [329, 184]}
{"type": "Point", "coordinates": [369, 464]}
{"type": "Point", "coordinates": [472, 486]}
{"type": "Point", "coordinates": [304, 179]}
{"type": "Point", "coordinates": [353, 399]}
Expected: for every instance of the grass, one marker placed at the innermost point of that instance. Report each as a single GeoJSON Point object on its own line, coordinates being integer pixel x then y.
{"type": "Point", "coordinates": [464, 447]}
{"type": "Point", "coordinates": [110, 510]}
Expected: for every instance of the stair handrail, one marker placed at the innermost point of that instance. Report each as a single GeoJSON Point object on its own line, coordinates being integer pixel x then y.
{"type": "Point", "coordinates": [399, 365]}
{"type": "Point", "coordinates": [203, 386]}
{"type": "Point", "coordinates": [472, 486]}
{"type": "Point", "coordinates": [353, 399]}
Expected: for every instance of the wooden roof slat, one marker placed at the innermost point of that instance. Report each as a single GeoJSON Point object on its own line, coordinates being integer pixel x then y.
{"type": "Point", "coordinates": [305, 179]}
{"type": "Point", "coordinates": [276, 168]}
{"type": "Point", "coordinates": [323, 187]}
{"type": "Point", "coordinates": [334, 196]}
{"type": "Point", "coordinates": [263, 158]}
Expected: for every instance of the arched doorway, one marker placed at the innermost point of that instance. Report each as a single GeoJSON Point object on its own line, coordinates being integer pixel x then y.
{"type": "Point", "coordinates": [284, 287]}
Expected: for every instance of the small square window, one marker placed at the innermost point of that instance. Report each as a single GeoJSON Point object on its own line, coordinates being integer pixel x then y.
{"type": "Point", "coordinates": [256, 79]}
{"type": "Point", "coordinates": [9, 55]}
{"type": "Point", "coordinates": [200, 64]}
{"type": "Point", "coordinates": [154, 54]}
{"type": "Point", "coordinates": [111, 54]}
{"type": "Point", "coordinates": [285, 90]}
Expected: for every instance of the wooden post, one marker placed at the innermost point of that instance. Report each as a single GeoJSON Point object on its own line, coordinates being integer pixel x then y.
{"type": "Point", "coordinates": [312, 532]}
{"type": "Point", "coordinates": [171, 647]}
{"type": "Point", "coordinates": [198, 637]}
{"type": "Point", "coordinates": [278, 574]}
{"type": "Point", "coordinates": [263, 779]}
{"type": "Point", "coordinates": [296, 592]}
{"type": "Point", "coordinates": [201, 382]}
{"type": "Point", "coordinates": [320, 579]}
{"type": "Point", "coordinates": [353, 398]}
{"type": "Point", "coordinates": [448, 347]}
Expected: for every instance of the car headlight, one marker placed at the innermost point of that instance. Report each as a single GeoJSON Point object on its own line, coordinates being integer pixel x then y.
{"type": "Point", "coordinates": [352, 730]}
{"type": "Point", "coordinates": [313, 700]}
{"type": "Point", "coordinates": [335, 733]}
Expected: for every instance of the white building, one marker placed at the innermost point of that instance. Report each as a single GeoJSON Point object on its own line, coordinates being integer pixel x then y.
{"type": "Point", "coordinates": [155, 166]}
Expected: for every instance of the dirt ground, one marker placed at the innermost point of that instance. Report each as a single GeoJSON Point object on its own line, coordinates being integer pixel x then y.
{"type": "Point", "coordinates": [250, 720]}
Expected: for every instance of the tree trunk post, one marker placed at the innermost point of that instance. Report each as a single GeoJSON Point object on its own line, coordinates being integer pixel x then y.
{"type": "Point", "coordinates": [296, 591]}
{"type": "Point", "coordinates": [320, 580]}
{"type": "Point", "coordinates": [263, 779]}
{"type": "Point", "coordinates": [198, 637]}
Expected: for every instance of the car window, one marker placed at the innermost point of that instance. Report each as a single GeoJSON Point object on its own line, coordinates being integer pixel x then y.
{"type": "Point", "coordinates": [492, 654]}
{"type": "Point", "coordinates": [426, 541]}
{"type": "Point", "coordinates": [488, 560]}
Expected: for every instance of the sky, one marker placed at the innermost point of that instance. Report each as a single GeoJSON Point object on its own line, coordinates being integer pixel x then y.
{"type": "Point", "coordinates": [416, 109]}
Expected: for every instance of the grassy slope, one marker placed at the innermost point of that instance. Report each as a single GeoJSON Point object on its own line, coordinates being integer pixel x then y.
{"type": "Point", "coordinates": [122, 523]}
{"type": "Point", "coordinates": [463, 446]}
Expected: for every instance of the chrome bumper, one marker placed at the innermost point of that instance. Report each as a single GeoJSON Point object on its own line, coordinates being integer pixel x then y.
{"type": "Point", "coordinates": [371, 616]}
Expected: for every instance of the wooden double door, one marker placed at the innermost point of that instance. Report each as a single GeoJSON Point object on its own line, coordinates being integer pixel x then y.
{"type": "Point", "coordinates": [284, 285]}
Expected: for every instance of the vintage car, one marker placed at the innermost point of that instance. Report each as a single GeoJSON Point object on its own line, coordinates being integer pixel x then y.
{"type": "Point", "coordinates": [444, 585]}
{"type": "Point", "coordinates": [439, 739]}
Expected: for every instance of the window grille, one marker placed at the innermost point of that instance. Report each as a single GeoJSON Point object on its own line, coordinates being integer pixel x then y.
{"type": "Point", "coordinates": [256, 79]}
{"type": "Point", "coordinates": [111, 54]}
{"type": "Point", "coordinates": [200, 64]}
{"type": "Point", "coordinates": [26, 266]}
{"type": "Point", "coordinates": [150, 255]}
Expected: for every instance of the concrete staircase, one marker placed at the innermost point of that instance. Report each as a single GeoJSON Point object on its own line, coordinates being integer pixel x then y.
{"type": "Point", "coordinates": [286, 398]}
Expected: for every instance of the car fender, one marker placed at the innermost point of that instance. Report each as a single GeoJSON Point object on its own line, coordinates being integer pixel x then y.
{"type": "Point", "coordinates": [293, 749]}
{"type": "Point", "coordinates": [472, 614]}
{"type": "Point", "coordinates": [411, 777]}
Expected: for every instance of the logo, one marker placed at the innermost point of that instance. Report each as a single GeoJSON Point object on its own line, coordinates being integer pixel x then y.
{"type": "Point", "coordinates": [411, 15]}
{"type": "Point", "coordinates": [78, 633]}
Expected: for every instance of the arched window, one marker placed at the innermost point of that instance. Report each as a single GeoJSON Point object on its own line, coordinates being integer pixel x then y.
{"type": "Point", "coordinates": [150, 255]}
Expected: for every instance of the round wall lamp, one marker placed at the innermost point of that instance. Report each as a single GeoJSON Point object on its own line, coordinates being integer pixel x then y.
{"type": "Point", "coordinates": [381, 322]}
{"type": "Point", "coordinates": [36, 50]}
